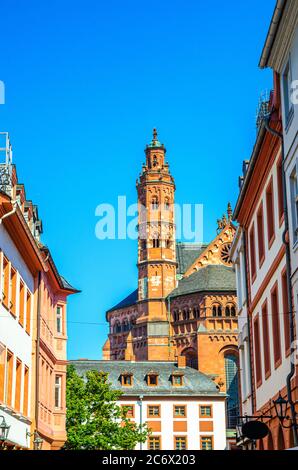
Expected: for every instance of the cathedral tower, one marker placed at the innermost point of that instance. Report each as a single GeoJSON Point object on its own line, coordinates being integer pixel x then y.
{"type": "Point", "coordinates": [156, 249]}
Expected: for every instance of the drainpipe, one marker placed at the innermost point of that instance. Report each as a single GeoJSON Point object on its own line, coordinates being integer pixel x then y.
{"type": "Point", "coordinates": [14, 203]}
{"type": "Point", "coordinates": [141, 415]}
{"type": "Point", "coordinates": [285, 238]}
{"type": "Point", "coordinates": [37, 351]}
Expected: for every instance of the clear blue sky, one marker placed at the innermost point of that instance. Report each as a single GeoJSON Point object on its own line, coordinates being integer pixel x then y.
{"type": "Point", "coordinates": [86, 81]}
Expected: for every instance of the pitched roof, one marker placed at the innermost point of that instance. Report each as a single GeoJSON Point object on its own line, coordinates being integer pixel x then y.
{"type": "Point", "coordinates": [127, 302]}
{"type": "Point", "coordinates": [195, 382]}
{"type": "Point", "coordinates": [187, 253]}
{"type": "Point", "coordinates": [213, 277]}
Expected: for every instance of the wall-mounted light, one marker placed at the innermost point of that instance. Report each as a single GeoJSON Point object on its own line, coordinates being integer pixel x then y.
{"type": "Point", "coordinates": [4, 430]}
{"type": "Point", "coordinates": [37, 441]}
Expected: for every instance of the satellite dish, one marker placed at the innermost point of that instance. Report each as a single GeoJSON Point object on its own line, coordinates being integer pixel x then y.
{"type": "Point", "coordinates": [255, 430]}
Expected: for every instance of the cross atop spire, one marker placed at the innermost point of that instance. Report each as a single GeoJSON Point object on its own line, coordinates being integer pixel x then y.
{"type": "Point", "coordinates": [154, 134]}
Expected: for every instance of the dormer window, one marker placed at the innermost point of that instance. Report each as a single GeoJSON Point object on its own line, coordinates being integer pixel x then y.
{"type": "Point", "coordinates": [177, 380]}
{"type": "Point", "coordinates": [152, 379]}
{"type": "Point", "coordinates": [127, 379]}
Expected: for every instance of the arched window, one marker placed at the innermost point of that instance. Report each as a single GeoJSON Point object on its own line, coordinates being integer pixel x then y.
{"type": "Point", "coordinates": [216, 310]}
{"type": "Point", "coordinates": [231, 372]}
{"type": "Point", "coordinates": [168, 243]}
{"type": "Point", "coordinates": [155, 162]}
{"type": "Point", "coordinates": [117, 327]}
{"type": "Point", "coordinates": [155, 242]}
{"type": "Point", "coordinates": [154, 203]}
{"type": "Point", "coordinates": [185, 314]}
{"type": "Point", "coordinates": [230, 311]}
{"type": "Point", "coordinates": [167, 204]}
{"type": "Point", "coordinates": [125, 325]}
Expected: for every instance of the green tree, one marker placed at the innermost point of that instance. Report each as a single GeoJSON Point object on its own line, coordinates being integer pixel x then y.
{"type": "Point", "coordinates": [93, 419]}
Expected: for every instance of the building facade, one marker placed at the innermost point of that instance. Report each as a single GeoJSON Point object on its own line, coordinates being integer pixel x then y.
{"type": "Point", "coordinates": [32, 322]}
{"type": "Point", "coordinates": [183, 408]}
{"type": "Point", "coordinates": [185, 304]}
{"type": "Point", "coordinates": [259, 253]}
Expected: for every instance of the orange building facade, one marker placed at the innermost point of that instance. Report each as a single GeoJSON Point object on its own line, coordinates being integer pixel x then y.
{"type": "Point", "coordinates": [33, 332]}
{"type": "Point", "coordinates": [185, 304]}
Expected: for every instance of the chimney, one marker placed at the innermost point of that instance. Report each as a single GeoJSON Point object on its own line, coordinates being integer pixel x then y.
{"type": "Point", "coordinates": [181, 362]}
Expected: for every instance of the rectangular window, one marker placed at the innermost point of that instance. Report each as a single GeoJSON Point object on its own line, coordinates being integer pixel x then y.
{"type": "Point", "coordinates": [205, 411]}
{"type": "Point", "coordinates": [280, 190]}
{"type": "Point", "coordinates": [152, 380]}
{"type": "Point", "coordinates": [294, 202]}
{"type": "Point", "coordinates": [129, 410]}
{"type": "Point", "coordinates": [28, 312]}
{"type": "Point", "coordinates": [260, 227]}
{"type": "Point", "coordinates": [8, 379]}
{"type": "Point", "coordinates": [266, 340]}
{"type": "Point", "coordinates": [286, 311]}
{"type": "Point", "coordinates": [2, 371]}
{"type": "Point", "coordinates": [126, 380]}
{"type": "Point", "coordinates": [59, 319]}
{"type": "Point", "coordinates": [179, 411]}
{"type": "Point", "coordinates": [275, 326]}
{"type": "Point", "coordinates": [13, 290]}
{"type": "Point", "coordinates": [154, 411]}
{"type": "Point", "coordinates": [177, 380]}
{"type": "Point", "coordinates": [58, 380]}
{"type": "Point", "coordinates": [206, 443]}
{"type": "Point", "coordinates": [22, 303]}
{"type": "Point", "coordinates": [180, 442]}
{"type": "Point", "coordinates": [5, 282]}
{"type": "Point", "coordinates": [270, 213]}
{"type": "Point", "coordinates": [258, 362]}
{"type": "Point", "coordinates": [26, 391]}
{"type": "Point", "coordinates": [17, 404]}
{"type": "Point", "coordinates": [252, 253]}
{"type": "Point", "coordinates": [287, 80]}
{"type": "Point", "coordinates": [154, 443]}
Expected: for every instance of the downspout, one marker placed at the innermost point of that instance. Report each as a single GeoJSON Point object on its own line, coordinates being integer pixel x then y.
{"type": "Point", "coordinates": [289, 280]}
{"type": "Point", "coordinates": [141, 416]}
{"type": "Point", "coordinates": [14, 203]}
{"type": "Point", "coordinates": [37, 350]}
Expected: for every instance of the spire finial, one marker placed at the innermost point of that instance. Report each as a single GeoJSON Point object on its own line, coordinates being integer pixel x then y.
{"type": "Point", "coordinates": [154, 134]}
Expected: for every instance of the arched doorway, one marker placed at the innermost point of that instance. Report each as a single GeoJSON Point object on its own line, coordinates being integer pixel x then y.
{"type": "Point", "coordinates": [232, 389]}
{"type": "Point", "coordinates": [191, 358]}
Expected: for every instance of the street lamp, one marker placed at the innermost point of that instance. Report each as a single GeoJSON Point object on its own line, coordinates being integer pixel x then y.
{"type": "Point", "coordinates": [4, 430]}
{"type": "Point", "coordinates": [37, 441]}
{"type": "Point", "coordinates": [280, 406]}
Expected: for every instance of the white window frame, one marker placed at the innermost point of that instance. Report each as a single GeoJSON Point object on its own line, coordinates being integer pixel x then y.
{"type": "Point", "coordinates": [58, 389]}
{"type": "Point", "coordinates": [59, 319]}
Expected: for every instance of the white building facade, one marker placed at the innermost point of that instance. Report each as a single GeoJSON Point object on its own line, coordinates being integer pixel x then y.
{"type": "Point", "coordinates": [189, 416]}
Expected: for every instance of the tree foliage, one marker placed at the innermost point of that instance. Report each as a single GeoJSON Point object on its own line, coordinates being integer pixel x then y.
{"type": "Point", "coordinates": [94, 421]}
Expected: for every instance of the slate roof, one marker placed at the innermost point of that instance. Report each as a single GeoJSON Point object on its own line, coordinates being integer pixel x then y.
{"type": "Point", "coordinates": [186, 254]}
{"type": "Point", "coordinates": [131, 299]}
{"type": "Point", "coordinates": [195, 383]}
{"type": "Point", "coordinates": [210, 278]}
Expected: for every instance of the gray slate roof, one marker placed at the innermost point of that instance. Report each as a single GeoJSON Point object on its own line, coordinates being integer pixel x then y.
{"type": "Point", "coordinates": [186, 254]}
{"type": "Point", "coordinates": [195, 383]}
{"type": "Point", "coordinates": [216, 278]}
{"type": "Point", "coordinates": [127, 302]}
